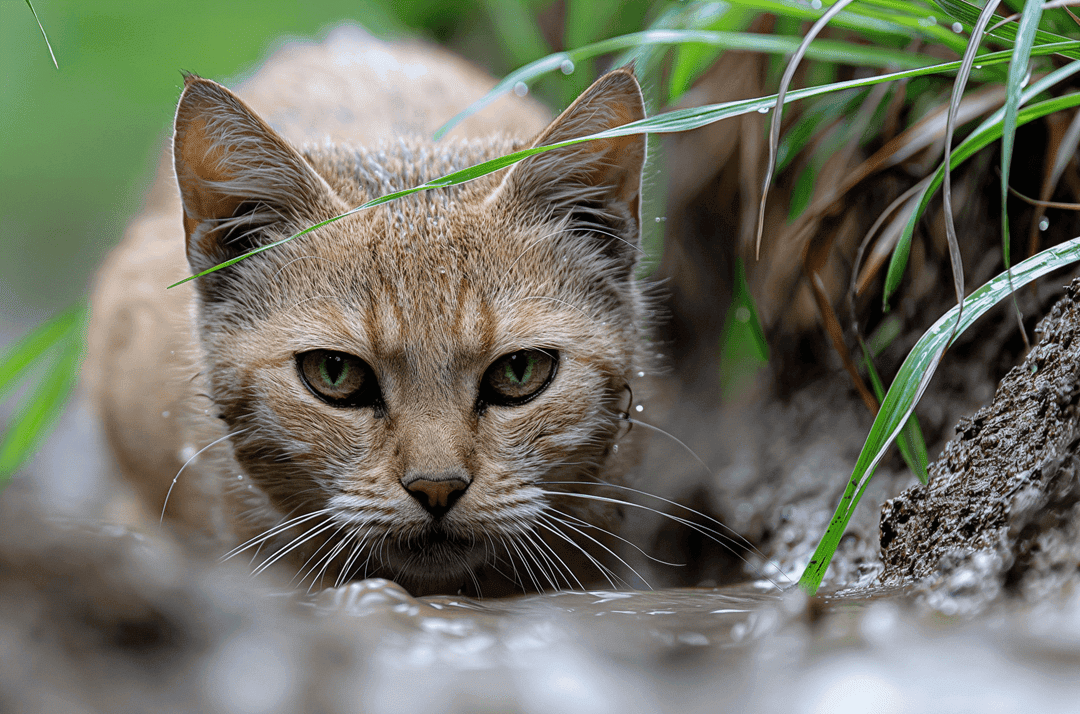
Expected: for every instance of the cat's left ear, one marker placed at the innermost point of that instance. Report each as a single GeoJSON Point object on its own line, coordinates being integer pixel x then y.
{"type": "Point", "coordinates": [596, 183]}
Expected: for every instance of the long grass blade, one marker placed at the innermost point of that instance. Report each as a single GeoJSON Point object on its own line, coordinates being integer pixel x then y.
{"type": "Point", "coordinates": [1018, 72]}
{"type": "Point", "coordinates": [774, 131]}
{"type": "Point", "coordinates": [968, 13]}
{"type": "Point", "coordinates": [910, 383]}
{"type": "Point", "coordinates": [668, 122]}
{"type": "Point", "coordinates": [824, 50]}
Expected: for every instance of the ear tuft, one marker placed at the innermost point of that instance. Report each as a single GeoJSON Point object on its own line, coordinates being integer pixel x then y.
{"type": "Point", "coordinates": [236, 174]}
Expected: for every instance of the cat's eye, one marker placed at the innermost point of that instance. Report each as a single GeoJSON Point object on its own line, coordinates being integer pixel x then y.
{"type": "Point", "coordinates": [338, 378]}
{"type": "Point", "coordinates": [518, 377]}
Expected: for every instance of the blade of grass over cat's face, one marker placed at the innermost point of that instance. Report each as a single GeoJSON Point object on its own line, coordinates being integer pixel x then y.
{"type": "Point", "coordinates": [668, 122]}
{"type": "Point", "coordinates": [824, 50]}
{"type": "Point", "coordinates": [910, 383]}
{"type": "Point", "coordinates": [990, 130]}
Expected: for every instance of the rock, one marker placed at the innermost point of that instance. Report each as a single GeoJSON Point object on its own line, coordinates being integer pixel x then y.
{"type": "Point", "coordinates": [1001, 512]}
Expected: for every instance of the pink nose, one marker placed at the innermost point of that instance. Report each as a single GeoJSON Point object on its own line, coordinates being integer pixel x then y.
{"type": "Point", "coordinates": [436, 495]}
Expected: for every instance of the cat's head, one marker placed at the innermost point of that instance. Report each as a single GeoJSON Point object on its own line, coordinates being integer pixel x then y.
{"type": "Point", "coordinates": [412, 383]}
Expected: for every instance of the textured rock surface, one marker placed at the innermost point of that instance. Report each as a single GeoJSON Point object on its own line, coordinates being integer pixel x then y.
{"type": "Point", "coordinates": [1002, 509]}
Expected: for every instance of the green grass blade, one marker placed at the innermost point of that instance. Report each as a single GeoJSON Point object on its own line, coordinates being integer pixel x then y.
{"type": "Point", "coordinates": [38, 414]}
{"type": "Point", "coordinates": [43, 35]}
{"type": "Point", "coordinates": [774, 127]}
{"type": "Point", "coordinates": [967, 14]}
{"type": "Point", "coordinates": [1018, 70]}
{"type": "Point", "coordinates": [910, 383]}
{"type": "Point", "coordinates": [743, 349]}
{"type": "Point", "coordinates": [864, 19]}
{"type": "Point", "coordinates": [824, 50]}
{"type": "Point", "coordinates": [911, 443]}
{"type": "Point", "coordinates": [26, 352]}
{"type": "Point", "coordinates": [668, 122]}
{"type": "Point", "coordinates": [987, 132]}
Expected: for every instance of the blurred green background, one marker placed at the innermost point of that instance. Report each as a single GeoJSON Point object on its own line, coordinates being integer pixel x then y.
{"type": "Point", "coordinates": [79, 144]}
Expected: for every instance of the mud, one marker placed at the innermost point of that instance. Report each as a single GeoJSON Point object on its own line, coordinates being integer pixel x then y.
{"type": "Point", "coordinates": [1001, 512]}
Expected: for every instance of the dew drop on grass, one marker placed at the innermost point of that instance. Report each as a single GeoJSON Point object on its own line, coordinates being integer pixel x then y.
{"type": "Point", "coordinates": [816, 4]}
{"type": "Point", "coordinates": [567, 66]}
{"type": "Point", "coordinates": [957, 27]}
{"type": "Point", "coordinates": [978, 66]}
{"type": "Point", "coordinates": [661, 219]}
{"type": "Point", "coordinates": [1044, 223]}
{"type": "Point", "coordinates": [763, 110]}
{"type": "Point", "coordinates": [742, 314]}
{"type": "Point", "coordinates": [521, 89]}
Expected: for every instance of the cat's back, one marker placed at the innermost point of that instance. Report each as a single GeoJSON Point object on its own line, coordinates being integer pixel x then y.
{"type": "Point", "coordinates": [142, 356]}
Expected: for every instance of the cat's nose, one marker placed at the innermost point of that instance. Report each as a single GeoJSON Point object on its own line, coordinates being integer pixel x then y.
{"type": "Point", "coordinates": [437, 493]}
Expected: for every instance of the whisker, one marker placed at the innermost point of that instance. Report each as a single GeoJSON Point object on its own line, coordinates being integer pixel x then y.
{"type": "Point", "coordinates": [607, 572]}
{"type": "Point", "coordinates": [586, 524]}
{"type": "Point", "coordinates": [713, 535]}
{"type": "Point", "coordinates": [674, 438]}
{"type": "Point", "coordinates": [193, 457]}
{"type": "Point", "coordinates": [609, 550]}
{"type": "Point", "coordinates": [293, 545]}
{"type": "Point", "coordinates": [270, 533]}
{"type": "Point", "coordinates": [735, 536]}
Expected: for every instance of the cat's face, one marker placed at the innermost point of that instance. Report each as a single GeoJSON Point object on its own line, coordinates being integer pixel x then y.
{"type": "Point", "coordinates": [413, 383]}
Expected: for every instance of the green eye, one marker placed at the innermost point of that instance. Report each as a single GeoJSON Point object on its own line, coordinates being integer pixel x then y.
{"type": "Point", "coordinates": [338, 378]}
{"type": "Point", "coordinates": [518, 377]}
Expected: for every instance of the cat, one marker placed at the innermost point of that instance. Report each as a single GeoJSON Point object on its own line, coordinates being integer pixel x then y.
{"type": "Point", "coordinates": [430, 390]}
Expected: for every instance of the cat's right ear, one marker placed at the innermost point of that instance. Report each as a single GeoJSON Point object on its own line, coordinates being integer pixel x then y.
{"type": "Point", "coordinates": [237, 176]}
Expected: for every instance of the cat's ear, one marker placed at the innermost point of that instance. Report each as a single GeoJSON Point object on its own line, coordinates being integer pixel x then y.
{"type": "Point", "coordinates": [237, 176]}
{"type": "Point", "coordinates": [596, 183]}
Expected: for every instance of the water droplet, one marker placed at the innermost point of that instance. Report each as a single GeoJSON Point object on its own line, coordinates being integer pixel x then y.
{"type": "Point", "coordinates": [567, 66]}
{"type": "Point", "coordinates": [1044, 223]}
{"type": "Point", "coordinates": [639, 408]}
{"type": "Point", "coordinates": [932, 20]}
{"type": "Point", "coordinates": [978, 66]}
{"type": "Point", "coordinates": [521, 89]}
{"type": "Point", "coordinates": [742, 313]}
{"type": "Point", "coordinates": [206, 412]}
{"type": "Point", "coordinates": [187, 453]}
{"type": "Point", "coordinates": [239, 477]}
{"type": "Point", "coordinates": [641, 374]}
{"type": "Point", "coordinates": [614, 448]}
{"type": "Point", "coordinates": [165, 415]}
{"type": "Point", "coordinates": [816, 4]}
{"type": "Point", "coordinates": [442, 271]}
{"type": "Point", "coordinates": [661, 219]}
{"type": "Point", "coordinates": [763, 110]}
{"type": "Point", "coordinates": [957, 27]}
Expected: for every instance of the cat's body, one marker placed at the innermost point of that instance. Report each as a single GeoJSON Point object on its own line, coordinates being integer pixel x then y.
{"type": "Point", "coordinates": [401, 392]}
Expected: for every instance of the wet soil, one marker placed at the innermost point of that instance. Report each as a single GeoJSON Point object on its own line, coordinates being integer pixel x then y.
{"type": "Point", "coordinates": [1002, 507]}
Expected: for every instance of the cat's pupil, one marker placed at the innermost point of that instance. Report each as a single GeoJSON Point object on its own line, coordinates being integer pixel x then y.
{"type": "Point", "coordinates": [334, 370]}
{"type": "Point", "coordinates": [519, 368]}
